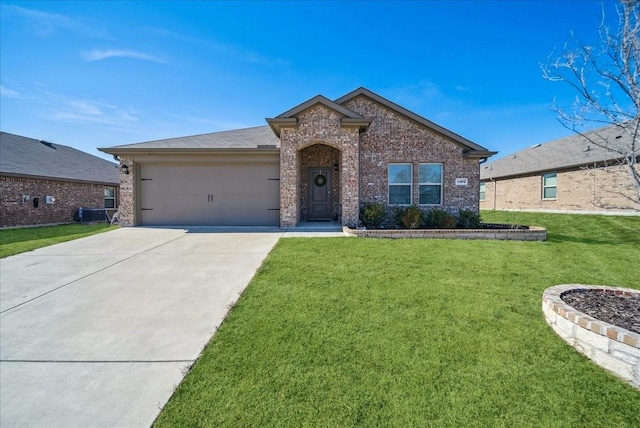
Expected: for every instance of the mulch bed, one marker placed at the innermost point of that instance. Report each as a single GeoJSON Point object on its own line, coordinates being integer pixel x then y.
{"type": "Point", "coordinates": [622, 311]}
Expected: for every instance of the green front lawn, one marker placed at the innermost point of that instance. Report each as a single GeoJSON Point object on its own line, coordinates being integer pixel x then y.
{"type": "Point", "coordinates": [16, 241]}
{"type": "Point", "coordinates": [366, 332]}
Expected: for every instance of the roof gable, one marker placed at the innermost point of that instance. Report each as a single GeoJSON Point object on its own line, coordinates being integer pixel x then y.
{"type": "Point", "coordinates": [473, 149]}
{"type": "Point", "coordinates": [319, 99]}
{"type": "Point", "coordinates": [290, 117]}
{"type": "Point", "coordinates": [36, 158]}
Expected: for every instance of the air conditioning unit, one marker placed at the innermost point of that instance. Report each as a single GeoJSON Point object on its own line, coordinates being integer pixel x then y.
{"type": "Point", "coordinates": [89, 215]}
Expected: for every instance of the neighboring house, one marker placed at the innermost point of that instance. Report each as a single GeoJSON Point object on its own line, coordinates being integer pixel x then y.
{"type": "Point", "coordinates": [46, 183]}
{"type": "Point", "coordinates": [569, 174]}
{"type": "Point", "coordinates": [318, 161]}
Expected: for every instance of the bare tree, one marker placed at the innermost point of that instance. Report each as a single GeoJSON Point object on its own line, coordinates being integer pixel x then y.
{"type": "Point", "coordinates": [606, 77]}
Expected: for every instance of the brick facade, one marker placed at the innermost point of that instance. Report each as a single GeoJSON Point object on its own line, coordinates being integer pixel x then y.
{"type": "Point", "coordinates": [581, 189]}
{"type": "Point", "coordinates": [318, 125]}
{"type": "Point", "coordinates": [319, 139]}
{"type": "Point", "coordinates": [18, 194]}
{"type": "Point", "coordinates": [355, 137]}
{"type": "Point", "coordinates": [393, 138]}
{"type": "Point", "coordinates": [128, 210]}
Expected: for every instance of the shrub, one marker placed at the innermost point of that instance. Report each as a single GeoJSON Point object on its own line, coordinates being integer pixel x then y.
{"type": "Point", "coordinates": [468, 219]}
{"type": "Point", "coordinates": [407, 217]}
{"type": "Point", "coordinates": [440, 219]}
{"type": "Point", "coordinates": [412, 218]}
{"type": "Point", "coordinates": [372, 215]}
{"type": "Point", "coordinates": [397, 214]}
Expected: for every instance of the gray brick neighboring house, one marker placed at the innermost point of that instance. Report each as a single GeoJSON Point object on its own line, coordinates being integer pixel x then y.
{"type": "Point", "coordinates": [319, 161]}
{"type": "Point", "coordinates": [46, 183]}
{"type": "Point", "coordinates": [569, 174]}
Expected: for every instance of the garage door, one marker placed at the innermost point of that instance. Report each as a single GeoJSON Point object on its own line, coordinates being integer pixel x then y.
{"type": "Point", "coordinates": [234, 194]}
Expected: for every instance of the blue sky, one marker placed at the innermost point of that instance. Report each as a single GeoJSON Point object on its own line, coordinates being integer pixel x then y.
{"type": "Point", "coordinates": [102, 73]}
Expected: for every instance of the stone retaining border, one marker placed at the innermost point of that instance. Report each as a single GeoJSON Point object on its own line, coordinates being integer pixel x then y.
{"type": "Point", "coordinates": [507, 232]}
{"type": "Point", "coordinates": [614, 348]}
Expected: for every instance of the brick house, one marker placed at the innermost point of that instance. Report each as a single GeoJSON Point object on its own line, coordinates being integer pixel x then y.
{"type": "Point", "coordinates": [569, 174]}
{"type": "Point", "coordinates": [319, 161]}
{"type": "Point", "coordinates": [46, 183]}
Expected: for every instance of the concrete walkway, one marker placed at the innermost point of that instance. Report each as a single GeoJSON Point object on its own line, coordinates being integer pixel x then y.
{"type": "Point", "coordinates": [99, 331]}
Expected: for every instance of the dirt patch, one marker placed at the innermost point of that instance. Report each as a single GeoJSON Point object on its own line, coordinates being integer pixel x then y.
{"type": "Point", "coordinates": [617, 309]}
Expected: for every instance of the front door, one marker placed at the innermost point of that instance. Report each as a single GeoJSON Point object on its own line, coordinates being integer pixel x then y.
{"type": "Point", "coordinates": [319, 194]}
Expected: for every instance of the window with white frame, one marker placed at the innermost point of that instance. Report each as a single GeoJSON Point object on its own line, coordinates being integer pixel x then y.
{"type": "Point", "coordinates": [399, 175]}
{"type": "Point", "coordinates": [483, 190]}
{"type": "Point", "coordinates": [430, 182]}
{"type": "Point", "coordinates": [549, 186]}
{"type": "Point", "coordinates": [109, 197]}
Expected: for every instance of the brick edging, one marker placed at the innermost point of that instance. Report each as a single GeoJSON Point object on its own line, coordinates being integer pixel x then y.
{"type": "Point", "coordinates": [612, 347]}
{"type": "Point", "coordinates": [508, 233]}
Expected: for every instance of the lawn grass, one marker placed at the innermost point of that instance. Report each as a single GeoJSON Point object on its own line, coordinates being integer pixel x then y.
{"type": "Point", "coordinates": [371, 332]}
{"type": "Point", "coordinates": [16, 241]}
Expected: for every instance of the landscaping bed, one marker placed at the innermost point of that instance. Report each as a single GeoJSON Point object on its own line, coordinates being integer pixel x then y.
{"type": "Point", "coordinates": [602, 325]}
{"type": "Point", "coordinates": [378, 221]}
{"type": "Point", "coordinates": [506, 232]}
{"type": "Point", "coordinates": [621, 309]}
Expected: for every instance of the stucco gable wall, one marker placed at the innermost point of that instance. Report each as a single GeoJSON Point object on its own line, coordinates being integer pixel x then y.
{"type": "Point", "coordinates": [392, 137]}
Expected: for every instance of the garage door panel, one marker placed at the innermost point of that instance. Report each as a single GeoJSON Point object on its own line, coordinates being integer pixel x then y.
{"type": "Point", "coordinates": [225, 195]}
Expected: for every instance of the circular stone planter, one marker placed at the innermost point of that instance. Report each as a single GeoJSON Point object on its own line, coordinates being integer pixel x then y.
{"type": "Point", "coordinates": [614, 348]}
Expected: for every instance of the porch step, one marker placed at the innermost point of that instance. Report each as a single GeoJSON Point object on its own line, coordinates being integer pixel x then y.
{"type": "Point", "coordinates": [313, 226]}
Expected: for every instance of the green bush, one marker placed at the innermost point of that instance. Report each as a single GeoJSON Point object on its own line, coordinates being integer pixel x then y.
{"type": "Point", "coordinates": [372, 215]}
{"type": "Point", "coordinates": [468, 219]}
{"type": "Point", "coordinates": [412, 218]}
{"type": "Point", "coordinates": [397, 214]}
{"type": "Point", "coordinates": [438, 218]}
{"type": "Point", "coordinates": [407, 217]}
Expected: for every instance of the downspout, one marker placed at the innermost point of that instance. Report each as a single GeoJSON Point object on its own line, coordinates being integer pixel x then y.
{"type": "Point", "coordinates": [594, 184]}
{"type": "Point", "coordinates": [495, 192]}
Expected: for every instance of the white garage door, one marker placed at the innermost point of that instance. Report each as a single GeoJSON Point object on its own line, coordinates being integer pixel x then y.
{"type": "Point", "coordinates": [233, 194]}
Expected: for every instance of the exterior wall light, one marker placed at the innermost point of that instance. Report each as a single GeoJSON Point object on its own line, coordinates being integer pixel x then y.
{"type": "Point", "coordinates": [125, 169]}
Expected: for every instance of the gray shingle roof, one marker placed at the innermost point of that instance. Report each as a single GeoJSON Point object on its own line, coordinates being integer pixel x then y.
{"type": "Point", "coordinates": [265, 137]}
{"type": "Point", "coordinates": [27, 156]}
{"type": "Point", "coordinates": [565, 153]}
{"type": "Point", "coordinates": [247, 138]}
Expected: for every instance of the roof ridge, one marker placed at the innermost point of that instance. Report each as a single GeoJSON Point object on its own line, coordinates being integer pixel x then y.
{"type": "Point", "coordinates": [319, 99]}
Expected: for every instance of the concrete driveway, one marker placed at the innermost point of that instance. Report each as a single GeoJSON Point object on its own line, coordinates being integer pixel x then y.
{"type": "Point", "coordinates": [99, 331]}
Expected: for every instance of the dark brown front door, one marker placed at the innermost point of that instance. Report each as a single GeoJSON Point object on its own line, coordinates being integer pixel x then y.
{"type": "Point", "coordinates": [319, 194]}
